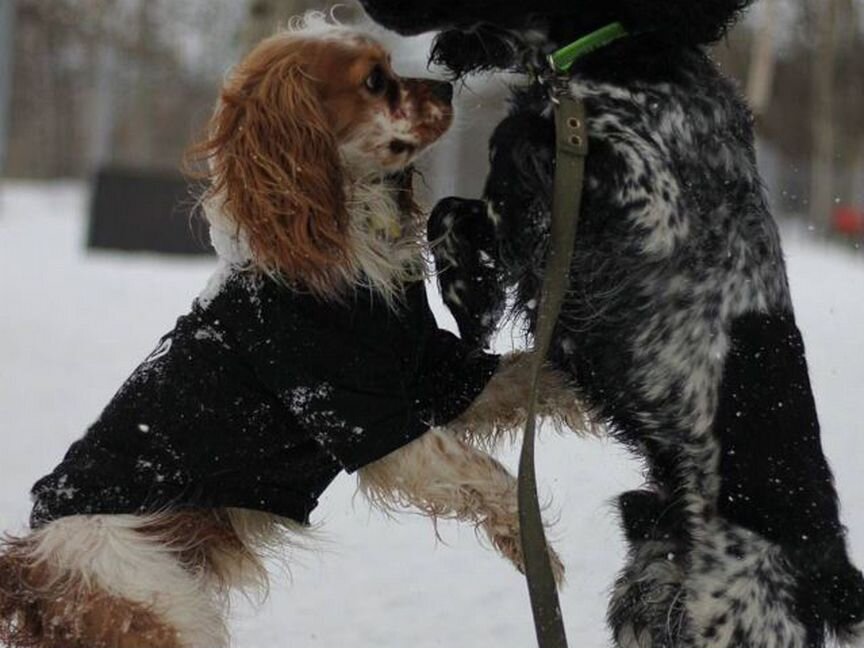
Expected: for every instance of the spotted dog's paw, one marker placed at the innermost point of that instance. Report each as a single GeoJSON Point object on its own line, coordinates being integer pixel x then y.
{"type": "Point", "coordinates": [647, 606]}
{"type": "Point", "coordinates": [646, 515]}
{"type": "Point", "coordinates": [463, 240]}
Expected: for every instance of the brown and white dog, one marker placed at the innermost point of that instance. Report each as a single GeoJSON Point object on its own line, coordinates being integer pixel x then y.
{"type": "Point", "coordinates": [307, 128]}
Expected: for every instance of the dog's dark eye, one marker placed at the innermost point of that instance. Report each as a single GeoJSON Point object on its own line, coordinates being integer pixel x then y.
{"type": "Point", "coordinates": [376, 82]}
{"type": "Point", "coordinates": [397, 147]}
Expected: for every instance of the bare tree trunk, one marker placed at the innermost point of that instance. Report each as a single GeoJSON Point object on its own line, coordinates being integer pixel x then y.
{"type": "Point", "coordinates": [103, 108]}
{"type": "Point", "coordinates": [857, 190]}
{"type": "Point", "coordinates": [760, 79]}
{"type": "Point", "coordinates": [7, 40]}
{"type": "Point", "coordinates": [55, 109]}
{"type": "Point", "coordinates": [856, 193]}
{"type": "Point", "coordinates": [141, 151]}
{"type": "Point", "coordinates": [823, 133]}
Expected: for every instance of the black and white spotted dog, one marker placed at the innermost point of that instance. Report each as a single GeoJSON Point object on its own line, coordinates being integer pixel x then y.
{"type": "Point", "coordinates": [678, 327]}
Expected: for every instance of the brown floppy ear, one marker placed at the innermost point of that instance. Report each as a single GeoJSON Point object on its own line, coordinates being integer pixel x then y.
{"type": "Point", "coordinates": [275, 163]}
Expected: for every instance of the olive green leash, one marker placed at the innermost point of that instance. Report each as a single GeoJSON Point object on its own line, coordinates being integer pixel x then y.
{"type": "Point", "coordinates": [571, 135]}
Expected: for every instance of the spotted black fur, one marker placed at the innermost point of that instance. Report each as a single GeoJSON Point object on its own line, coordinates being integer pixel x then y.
{"type": "Point", "coordinates": [678, 326]}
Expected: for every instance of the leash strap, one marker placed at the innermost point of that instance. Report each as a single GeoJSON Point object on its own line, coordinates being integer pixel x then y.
{"type": "Point", "coordinates": [571, 150]}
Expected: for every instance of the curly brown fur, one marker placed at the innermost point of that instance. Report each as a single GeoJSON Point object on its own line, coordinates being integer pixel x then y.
{"type": "Point", "coordinates": [289, 199]}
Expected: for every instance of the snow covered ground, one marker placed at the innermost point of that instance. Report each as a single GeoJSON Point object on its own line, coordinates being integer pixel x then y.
{"type": "Point", "coordinates": [74, 325]}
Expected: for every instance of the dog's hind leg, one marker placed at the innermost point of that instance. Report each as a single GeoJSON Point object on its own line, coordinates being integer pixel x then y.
{"type": "Point", "coordinates": [124, 581]}
{"type": "Point", "coordinates": [741, 590]}
{"type": "Point", "coordinates": [709, 585]}
{"type": "Point", "coordinates": [759, 542]}
{"type": "Point", "coordinates": [444, 477]}
{"type": "Point", "coordinates": [646, 609]}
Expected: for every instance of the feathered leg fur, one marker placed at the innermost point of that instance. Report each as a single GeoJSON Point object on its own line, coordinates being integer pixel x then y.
{"type": "Point", "coordinates": [500, 411]}
{"type": "Point", "coordinates": [444, 477]}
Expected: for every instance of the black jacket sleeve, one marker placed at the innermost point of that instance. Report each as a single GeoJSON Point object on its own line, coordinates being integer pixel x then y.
{"type": "Point", "coordinates": [362, 378]}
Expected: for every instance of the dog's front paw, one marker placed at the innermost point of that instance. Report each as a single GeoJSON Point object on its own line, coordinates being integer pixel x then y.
{"type": "Point", "coordinates": [647, 515]}
{"type": "Point", "coordinates": [558, 402]}
{"type": "Point", "coordinates": [457, 229]}
{"type": "Point", "coordinates": [464, 245]}
{"type": "Point", "coordinates": [509, 545]}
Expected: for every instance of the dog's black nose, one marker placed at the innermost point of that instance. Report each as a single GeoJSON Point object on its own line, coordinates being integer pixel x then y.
{"type": "Point", "coordinates": [443, 91]}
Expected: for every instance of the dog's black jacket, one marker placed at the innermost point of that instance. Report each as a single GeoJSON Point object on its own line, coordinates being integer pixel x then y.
{"type": "Point", "coordinates": [259, 397]}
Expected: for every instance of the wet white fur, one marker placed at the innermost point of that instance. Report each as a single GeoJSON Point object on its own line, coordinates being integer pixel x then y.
{"type": "Point", "coordinates": [446, 478]}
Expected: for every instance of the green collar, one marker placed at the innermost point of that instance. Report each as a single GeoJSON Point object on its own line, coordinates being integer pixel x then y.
{"type": "Point", "coordinates": [563, 59]}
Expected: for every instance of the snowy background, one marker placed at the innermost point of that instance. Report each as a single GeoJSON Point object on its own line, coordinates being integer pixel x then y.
{"type": "Point", "coordinates": [74, 325]}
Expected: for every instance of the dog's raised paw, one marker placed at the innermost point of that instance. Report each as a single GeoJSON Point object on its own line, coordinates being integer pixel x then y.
{"type": "Point", "coordinates": [510, 546]}
{"type": "Point", "coordinates": [463, 243]}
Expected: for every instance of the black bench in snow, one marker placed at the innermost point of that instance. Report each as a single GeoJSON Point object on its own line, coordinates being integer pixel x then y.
{"type": "Point", "coordinates": [145, 211]}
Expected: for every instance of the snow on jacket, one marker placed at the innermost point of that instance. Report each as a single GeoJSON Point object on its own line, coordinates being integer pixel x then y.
{"type": "Point", "coordinates": [259, 397]}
